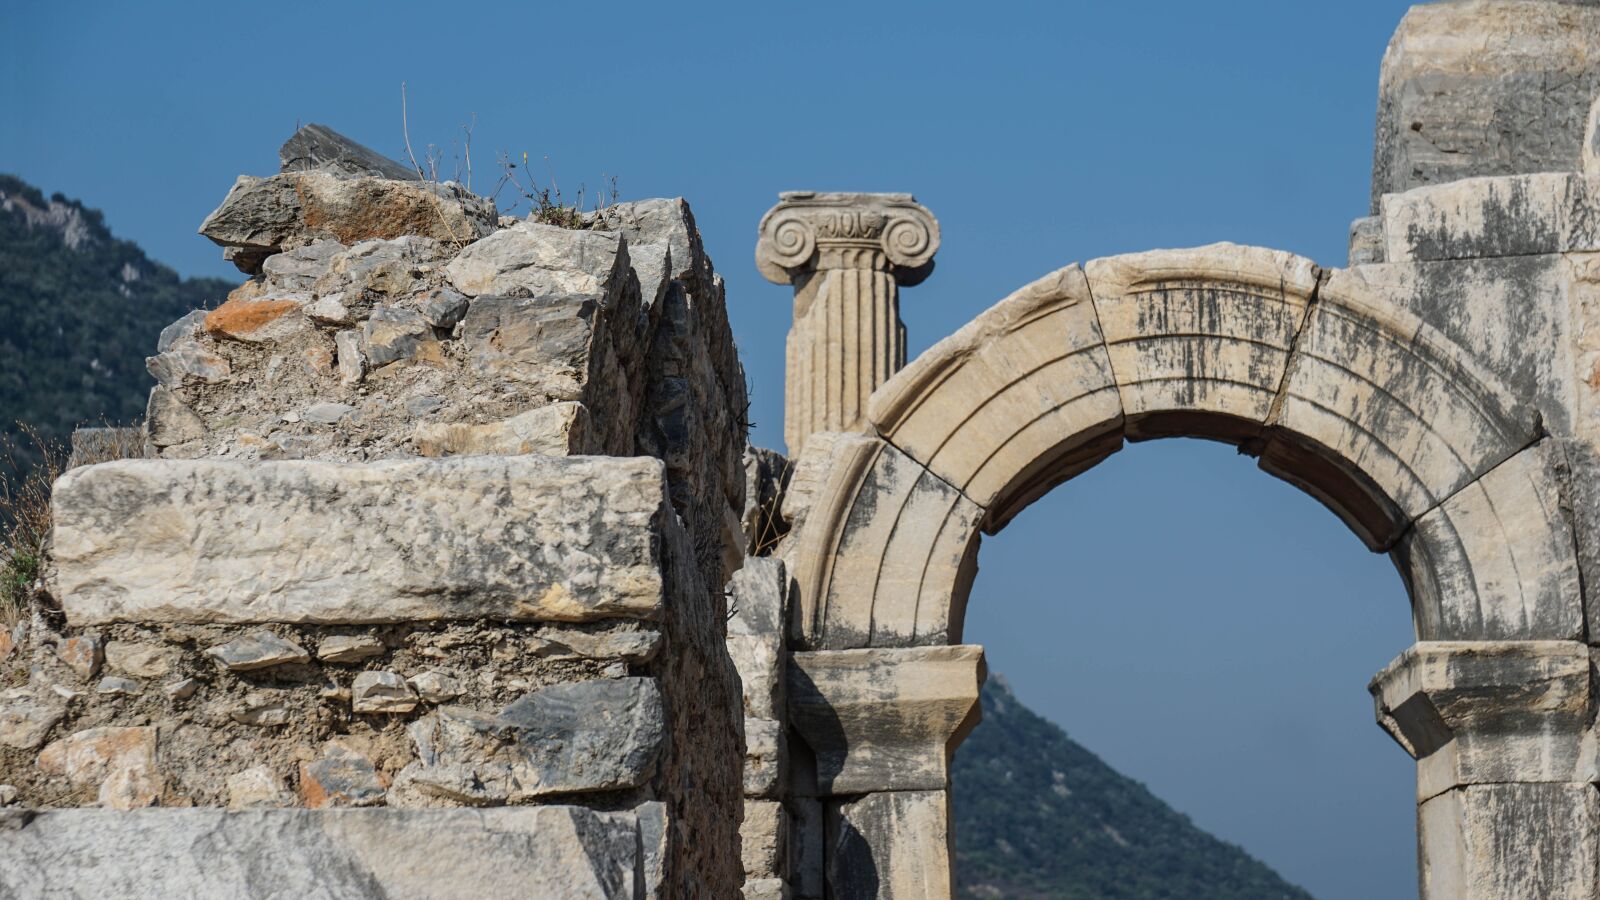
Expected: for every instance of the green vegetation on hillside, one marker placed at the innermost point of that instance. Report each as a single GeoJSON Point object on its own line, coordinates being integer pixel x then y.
{"type": "Point", "coordinates": [82, 310]}
{"type": "Point", "coordinates": [1037, 816]}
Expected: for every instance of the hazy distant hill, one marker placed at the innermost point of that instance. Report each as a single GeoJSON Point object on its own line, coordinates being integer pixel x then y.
{"type": "Point", "coordinates": [81, 310]}
{"type": "Point", "coordinates": [1039, 816]}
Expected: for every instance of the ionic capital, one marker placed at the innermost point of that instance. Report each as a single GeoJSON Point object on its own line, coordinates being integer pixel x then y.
{"type": "Point", "coordinates": [811, 230]}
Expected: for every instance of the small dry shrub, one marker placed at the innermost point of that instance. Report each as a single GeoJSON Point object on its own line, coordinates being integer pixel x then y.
{"type": "Point", "coordinates": [25, 482]}
{"type": "Point", "coordinates": [29, 466]}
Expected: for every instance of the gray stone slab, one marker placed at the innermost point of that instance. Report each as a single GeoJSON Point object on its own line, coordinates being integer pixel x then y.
{"type": "Point", "coordinates": [1484, 88]}
{"type": "Point", "coordinates": [517, 538]}
{"type": "Point", "coordinates": [284, 854]}
{"type": "Point", "coordinates": [599, 735]}
{"type": "Point", "coordinates": [1510, 842]}
{"type": "Point", "coordinates": [320, 147]}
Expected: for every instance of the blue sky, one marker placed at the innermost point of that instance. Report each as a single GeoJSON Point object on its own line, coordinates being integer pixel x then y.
{"type": "Point", "coordinates": [1205, 628]}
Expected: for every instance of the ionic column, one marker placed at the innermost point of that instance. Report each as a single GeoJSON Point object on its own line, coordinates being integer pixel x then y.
{"type": "Point", "coordinates": [1502, 732]}
{"type": "Point", "coordinates": [847, 256]}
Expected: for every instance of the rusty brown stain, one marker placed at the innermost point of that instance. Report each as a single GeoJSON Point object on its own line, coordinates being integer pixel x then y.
{"type": "Point", "coordinates": [237, 317]}
{"type": "Point", "coordinates": [382, 211]}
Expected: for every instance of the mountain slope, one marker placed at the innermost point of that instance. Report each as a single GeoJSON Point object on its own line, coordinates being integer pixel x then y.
{"type": "Point", "coordinates": [1037, 816]}
{"type": "Point", "coordinates": [82, 310]}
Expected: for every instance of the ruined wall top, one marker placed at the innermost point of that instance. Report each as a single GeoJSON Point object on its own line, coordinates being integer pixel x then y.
{"type": "Point", "coordinates": [1484, 87]}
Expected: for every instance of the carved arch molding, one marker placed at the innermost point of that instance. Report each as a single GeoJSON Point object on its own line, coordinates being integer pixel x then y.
{"type": "Point", "coordinates": [1404, 435]}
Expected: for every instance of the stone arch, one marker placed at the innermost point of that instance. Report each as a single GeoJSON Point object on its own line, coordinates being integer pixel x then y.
{"type": "Point", "coordinates": [1416, 446]}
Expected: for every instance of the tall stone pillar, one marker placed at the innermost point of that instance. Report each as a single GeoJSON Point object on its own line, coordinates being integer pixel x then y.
{"type": "Point", "coordinates": [847, 256]}
{"type": "Point", "coordinates": [880, 725]}
{"type": "Point", "coordinates": [1502, 731]}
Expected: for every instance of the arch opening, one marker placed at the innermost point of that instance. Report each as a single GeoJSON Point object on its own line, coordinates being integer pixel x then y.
{"type": "Point", "coordinates": [1207, 632]}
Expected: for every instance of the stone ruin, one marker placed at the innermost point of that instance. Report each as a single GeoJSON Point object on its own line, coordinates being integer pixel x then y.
{"type": "Point", "coordinates": [441, 566]}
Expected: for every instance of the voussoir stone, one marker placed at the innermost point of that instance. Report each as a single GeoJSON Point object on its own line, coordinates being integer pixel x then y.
{"type": "Point", "coordinates": [518, 538]}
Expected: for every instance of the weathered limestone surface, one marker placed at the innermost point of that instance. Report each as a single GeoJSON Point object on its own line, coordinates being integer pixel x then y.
{"type": "Point", "coordinates": [1488, 712]}
{"type": "Point", "coordinates": [1583, 447]}
{"type": "Point", "coordinates": [211, 541]}
{"type": "Point", "coordinates": [1203, 331]}
{"type": "Point", "coordinates": [1398, 407]}
{"type": "Point", "coordinates": [264, 216]}
{"type": "Point", "coordinates": [764, 839]}
{"type": "Point", "coordinates": [1512, 313]}
{"type": "Point", "coordinates": [884, 719]}
{"type": "Point", "coordinates": [610, 337]}
{"type": "Point", "coordinates": [1515, 215]}
{"type": "Point", "coordinates": [693, 415]}
{"type": "Point", "coordinates": [320, 147]}
{"type": "Point", "coordinates": [1034, 372]}
{"type": "Point", "coordinates": [877, 569]}
{"type": "Point", "coordinates": [1484, 87]}
{"type": "Point", "coordinates": [1510, 842]}
{"type": "Point", "coordinates": [846, 255]}
{"type": "Point", "coordinates": [893, 845]}
{"type": "Point", "coordinates": [550, 851]}
{"type": "Point", "coordinates": [1498, 556]}
{"type": "Point", "coordinates": [595, 735]}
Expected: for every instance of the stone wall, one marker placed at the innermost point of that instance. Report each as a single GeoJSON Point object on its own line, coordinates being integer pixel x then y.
{"type": "Point", "coordinates": [434, 522]}
{"type": "Point", "coordinates": [1484, 87]}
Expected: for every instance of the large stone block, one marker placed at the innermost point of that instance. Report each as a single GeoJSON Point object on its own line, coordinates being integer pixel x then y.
{"type": "Point", "coordinates": [264, 216]}
{"type": "Point", "coordinates": [1199, 338]}
{"type": "Point", "coordinates": [1512, 215]}
{"type": "Point", "coordinates": [1487, 87]}
{"type": "Point", "coordinates": [897, 545]}
{"type": "Point", "coordinates": [320, 147]}
{"type": "Point", "coordinates": [766, 757]}
{"type": "Point", "coordinates": [559, 429]}
{"type": "Point", "coordinates": [548, 851]}
{"type": "Point", "coordinates": [892, 846]}
{"type": "Point", "coordinates": [1510, 842]}
{"type": "Point", "coordinates": [1512, 313]}
{"type": "Point", "coordinates": [1497, 560]}
{"type": "Point", "coordinates": [533, 260]}
{"type": "Point", "coordinates": [764, 839]}
{"type": "Point", "coordinates": [599, 735]}
{"type": "Point", "coordinates": [520, 538]}
{"type": "Point", "coordinates": [1485, 712]}
{"type": "Point", "coordinates": [756, 627]}
{"type": "Point", "coordinates": [1397, 416]}
{"type": "Point", "coordinates": [1015, 402]}
{"type": "Point", "coordinates": [884, 719]}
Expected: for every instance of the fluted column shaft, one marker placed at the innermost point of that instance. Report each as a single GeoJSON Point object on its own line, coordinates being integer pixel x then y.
{"type": "Point", "coordinates": [846, 255]}
{"type": "Point", "coordinates": [846, 340]}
